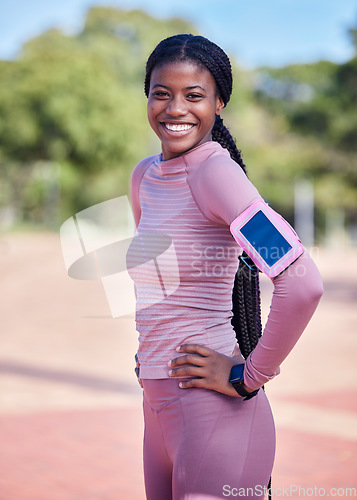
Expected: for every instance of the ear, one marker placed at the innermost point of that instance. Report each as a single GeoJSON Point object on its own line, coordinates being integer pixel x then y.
{"type": "Point", "coordinates": [219, 104]}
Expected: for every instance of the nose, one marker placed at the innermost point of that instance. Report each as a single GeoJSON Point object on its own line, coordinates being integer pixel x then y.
{"type": "Point", "coordinates": [176, 107]}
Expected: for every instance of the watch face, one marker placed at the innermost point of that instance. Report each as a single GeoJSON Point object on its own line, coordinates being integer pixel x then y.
{"type": "Point", "coordinates": [236, 373]}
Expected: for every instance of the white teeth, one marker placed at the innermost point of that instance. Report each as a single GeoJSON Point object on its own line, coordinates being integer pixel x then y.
{"type": "Point", "coordinates": [178, 128]}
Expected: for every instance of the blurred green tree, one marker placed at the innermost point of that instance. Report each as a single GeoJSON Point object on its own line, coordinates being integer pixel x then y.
{"type": "Point", "coordinates": [73, 121]}
{"type": "Point", "coordinates": [316, 105]}
{"type": "Point", "coordinates": [78, 102]}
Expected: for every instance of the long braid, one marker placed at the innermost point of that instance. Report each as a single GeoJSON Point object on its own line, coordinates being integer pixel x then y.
{"type": "Point", "coordinates": [246, 293]}
{"type": "Point", "coordinates": [221, 134]}
{"type": "Point", "coordinates": [246, 319]}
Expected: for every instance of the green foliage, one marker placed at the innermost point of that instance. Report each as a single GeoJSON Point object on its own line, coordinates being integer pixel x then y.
{"type": "Point", "coordinates": [63, 102]}
{"type": "Point", "coordinates": [78, 102]}
{"type": "Point", "coordinates": [73, 121]}
{"type": "Point", "coordinates": [319, 100]}
{"type": "Point", "coordinates": [318, 105]}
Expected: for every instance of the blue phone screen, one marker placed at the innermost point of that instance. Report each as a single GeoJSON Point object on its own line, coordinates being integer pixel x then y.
{"type": "Point", "coordinates": [267, 241]}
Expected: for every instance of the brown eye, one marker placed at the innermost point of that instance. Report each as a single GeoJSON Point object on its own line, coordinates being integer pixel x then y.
{"type": "Point", "coordinates": [161, 94]}
{"type": "Point", "coordinates": [194, 96]}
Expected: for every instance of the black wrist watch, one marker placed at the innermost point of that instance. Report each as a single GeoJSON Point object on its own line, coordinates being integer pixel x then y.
{"type": "Point", "coordinates": [237, 380]}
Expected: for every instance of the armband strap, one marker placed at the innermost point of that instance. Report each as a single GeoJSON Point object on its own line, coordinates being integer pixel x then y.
{"type": "Point", "coordinates": [267, 238]}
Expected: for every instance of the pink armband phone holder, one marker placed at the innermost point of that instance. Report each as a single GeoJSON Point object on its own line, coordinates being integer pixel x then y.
{"type": "Point", "coordinates": [267, 238]}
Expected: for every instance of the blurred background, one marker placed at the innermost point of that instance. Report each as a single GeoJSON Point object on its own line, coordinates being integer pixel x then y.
{"type": "Point", "coordinates": [72, 107]}
{"type": "Point", "coordinates": [72, 127]}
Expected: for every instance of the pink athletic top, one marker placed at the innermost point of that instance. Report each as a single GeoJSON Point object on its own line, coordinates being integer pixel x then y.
{"type": "Point", "coordinates": [185, 294]}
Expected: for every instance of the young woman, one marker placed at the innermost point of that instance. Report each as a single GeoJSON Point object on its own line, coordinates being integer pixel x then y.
{"type": "Point", "coordinates": [209, 431]}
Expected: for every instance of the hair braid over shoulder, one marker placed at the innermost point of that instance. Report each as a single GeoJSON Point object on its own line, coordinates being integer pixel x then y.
{"type": "Point", "coordinates": [221, 134]}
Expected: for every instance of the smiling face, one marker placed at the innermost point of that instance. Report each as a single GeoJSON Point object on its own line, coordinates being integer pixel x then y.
{"type": "Point", "coordinates": [182, 105]}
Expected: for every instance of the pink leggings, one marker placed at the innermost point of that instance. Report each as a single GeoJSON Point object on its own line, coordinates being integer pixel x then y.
{"type": "Point", "coordinates": [200, 444]}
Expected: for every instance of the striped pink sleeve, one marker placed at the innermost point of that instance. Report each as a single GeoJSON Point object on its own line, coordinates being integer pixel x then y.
{"type": "Point", "coordinates": [136, 177]}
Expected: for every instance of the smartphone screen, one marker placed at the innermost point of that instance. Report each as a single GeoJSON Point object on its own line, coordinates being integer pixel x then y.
{"type": "Point", "coordinates": [265, 238]}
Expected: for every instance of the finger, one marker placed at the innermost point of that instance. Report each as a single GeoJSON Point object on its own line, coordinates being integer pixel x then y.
{"type": "Point", "coordinates": [186, 371]}
{"type": "Point", "coordinates": [193, 382]}
{"type": "Point", "coordinates": [192, 359]}
{"type": "Point", "coordinates": [195, 348]}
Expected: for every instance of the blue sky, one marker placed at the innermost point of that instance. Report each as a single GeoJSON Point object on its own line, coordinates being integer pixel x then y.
{"type": "Point", "coordinates": [258, 32]}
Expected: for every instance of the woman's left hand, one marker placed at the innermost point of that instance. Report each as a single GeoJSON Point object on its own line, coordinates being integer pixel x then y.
{"type": "Point", "coordinates": [210, 369]}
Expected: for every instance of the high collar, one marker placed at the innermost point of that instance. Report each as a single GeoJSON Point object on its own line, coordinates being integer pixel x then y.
{"type": "Point", "coordinates": [194, 156]}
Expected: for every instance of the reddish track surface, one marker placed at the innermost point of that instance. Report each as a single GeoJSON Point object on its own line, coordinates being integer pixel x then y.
{"type": "Point", "coordinates": [70, 407]}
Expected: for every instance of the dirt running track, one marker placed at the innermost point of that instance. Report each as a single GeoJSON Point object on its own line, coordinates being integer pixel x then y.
{"type": "Point", "coordinates": [70, 407]}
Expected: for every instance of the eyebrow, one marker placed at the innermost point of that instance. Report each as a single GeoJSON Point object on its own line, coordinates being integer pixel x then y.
{"type": "Point", "coordinates": [187, 88]}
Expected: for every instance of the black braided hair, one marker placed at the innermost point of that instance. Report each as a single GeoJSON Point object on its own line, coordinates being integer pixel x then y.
{"type": "Point", "coordinates": [246, 319]}
{"type": "Point", "coordinates": [221, 134]}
